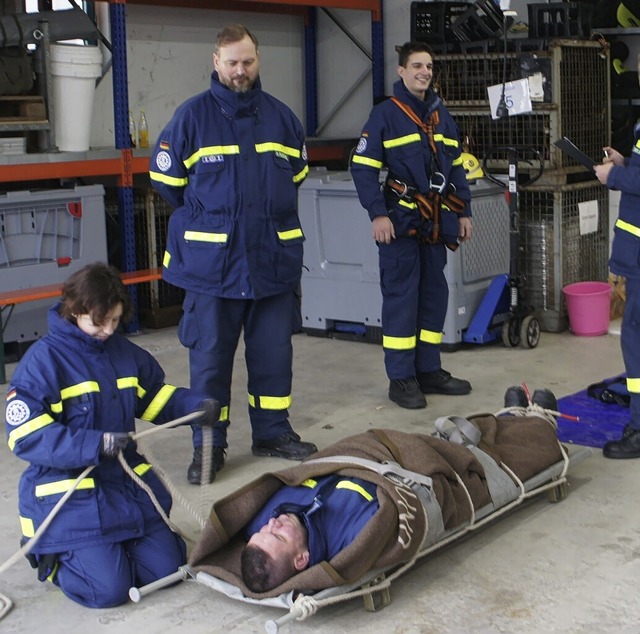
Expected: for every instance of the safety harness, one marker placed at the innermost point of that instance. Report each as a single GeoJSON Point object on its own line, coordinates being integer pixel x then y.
{"type": "Point", "coordinates": [440, 191]}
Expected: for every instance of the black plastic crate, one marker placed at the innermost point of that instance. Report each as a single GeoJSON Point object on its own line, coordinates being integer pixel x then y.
{"type": "Point", "coordinates": [559, 19]}
{"type": "Point", "coordinates": [431, 22]}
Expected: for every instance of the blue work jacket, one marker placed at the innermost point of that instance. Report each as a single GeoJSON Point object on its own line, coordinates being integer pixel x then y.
{"type": "Point", "coordinates": [68, 389]}
{"type": "Point", "coordinates": [625, 250]}
{"type": "Point", "coordinates": [230, 164]}
{"type": "Point", "coordinates": [391, 140]}
{"type": "Point", "coordinates": [335, 509]}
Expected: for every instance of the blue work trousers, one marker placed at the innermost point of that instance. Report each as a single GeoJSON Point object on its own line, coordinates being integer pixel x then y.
{"type": "Point", "coordinates": [210, 327]}
{"type": "Point", "coordinates": [100, 576]}
{"type": "Point", "coordinates": [414, 304]}
{"type": "Point", "coordinates": [630, 343]}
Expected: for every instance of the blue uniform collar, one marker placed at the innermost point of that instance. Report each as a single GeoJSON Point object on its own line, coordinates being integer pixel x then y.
{"type": "Point", "coordinates": [69, 333]}
{"type": "Point", "coordinates": [234, 103]}
{"type": "Point", "coordinates": [421, 107]}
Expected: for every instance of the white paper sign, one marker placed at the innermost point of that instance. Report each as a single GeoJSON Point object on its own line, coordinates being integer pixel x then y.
{"type": "Point", "coordinates": [588, 212]}
{"type": "Point", "coordinates": [516, 97]}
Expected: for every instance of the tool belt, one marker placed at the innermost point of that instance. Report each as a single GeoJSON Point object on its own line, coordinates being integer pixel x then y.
{"type": "Point", "coordinates": [429, 205]}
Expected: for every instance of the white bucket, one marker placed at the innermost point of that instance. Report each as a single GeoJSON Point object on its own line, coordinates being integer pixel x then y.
{"type": "Point", "coordinates": [74, 70]}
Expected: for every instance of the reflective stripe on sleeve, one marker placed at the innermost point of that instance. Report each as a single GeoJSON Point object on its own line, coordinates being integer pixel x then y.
{"type": "Point", "coordinates": [158, 402]}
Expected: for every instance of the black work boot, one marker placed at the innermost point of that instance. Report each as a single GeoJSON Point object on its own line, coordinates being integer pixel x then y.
{"type": "Point", "coordinates": [545, 398]}
{"type": "Point", "coordinates": [515, 396]}
{"type": "Point", "coordinates": [441, 382]}
{"type": "Point", "coordinates": [194, 472]}
{"type": "Point", "coordinates": [287, 446]}
{"type": "Point", "coordinates": [407, 393]}
{"type": "Point", "coordinates": [627, 447]}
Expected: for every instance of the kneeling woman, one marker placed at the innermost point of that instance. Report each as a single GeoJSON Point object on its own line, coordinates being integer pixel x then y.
{"type": "Point", "coordinates": [72, 402]}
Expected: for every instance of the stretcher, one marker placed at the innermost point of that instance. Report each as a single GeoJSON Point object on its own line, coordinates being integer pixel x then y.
{"type": "Point", "coordinates": [507, 492]}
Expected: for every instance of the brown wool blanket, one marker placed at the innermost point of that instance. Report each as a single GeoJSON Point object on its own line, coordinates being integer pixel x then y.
{"type": "Point", "coordinates": [527, 445]}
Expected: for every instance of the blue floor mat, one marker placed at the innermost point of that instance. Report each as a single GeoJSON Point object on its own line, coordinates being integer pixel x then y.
{"type": "Point", "coordinates": [599, 422]}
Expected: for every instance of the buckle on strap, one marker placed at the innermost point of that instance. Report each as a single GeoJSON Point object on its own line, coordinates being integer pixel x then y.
{"type": "Point", "coordinates": [400, 189]}
{"type": "Point", "coordinates": [435, 186]}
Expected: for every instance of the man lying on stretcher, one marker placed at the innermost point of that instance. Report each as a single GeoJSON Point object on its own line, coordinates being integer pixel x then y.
{"type": "Point", "coordinates": [326, 522]}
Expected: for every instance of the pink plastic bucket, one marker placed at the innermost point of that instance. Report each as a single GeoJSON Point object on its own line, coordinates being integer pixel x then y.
{"type": "Point", "coordinates": [588, 306]}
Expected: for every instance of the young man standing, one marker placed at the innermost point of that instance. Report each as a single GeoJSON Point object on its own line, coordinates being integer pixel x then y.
{"type": "Point", "coordinates": [422, 209]}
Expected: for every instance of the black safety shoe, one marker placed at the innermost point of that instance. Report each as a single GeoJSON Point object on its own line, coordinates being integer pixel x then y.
{"type": "Point", "coordinates": [407, 393]}
{"type": "Point", "coordinates": [627, 447]}
{"type": "Point", "coordinates": [441, 382]}
{"type": "Point", "coordinates": [515, 396]}
{"type": "Point", "coordinates": [287, 446]}
{"type": "Point", "coordinates": [545, 398]}
{"type": "Point", "coordinates": [194, 472]}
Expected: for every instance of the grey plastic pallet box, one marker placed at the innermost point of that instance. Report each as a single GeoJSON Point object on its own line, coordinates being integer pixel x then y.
{"type": "Point", "coordinates": [45, 236]}
{"type": "Point", "coordinates": [340, 279]}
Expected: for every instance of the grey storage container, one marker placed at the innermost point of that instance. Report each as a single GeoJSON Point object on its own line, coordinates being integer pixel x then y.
{"type": "Point", "coordinates": [45, 236]}
{"type": "Point", "coordinates": [340, 281]}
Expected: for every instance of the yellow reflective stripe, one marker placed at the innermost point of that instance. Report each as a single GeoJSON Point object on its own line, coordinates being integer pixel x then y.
{"type": "Point", "coordinates": [166, 258]}
{"type": "Point", "coordinates": [56, 408]}
{"type": "Point", "coordinates": [445, 140]}
{"type": "Point", "coordinates": [270, 402]}
{"type": "Point", "coordinates": [398, 343]}
{"type": "Point", "coordinates": [309, 482]}
{"type": "Point", "coordinates": [457, 161]}
{"type": "Point", "coordinates": [173, 181]}
{"type": "Point", "coordinates": [618, 66]}
{"type": "Point", "coordinates": [633, 385]}
{"type": "Point", "coordinates": [86, 387]}
{"type": "Point", "coordinates": [352, 486]}
{"type": "Point", "coordinates": [131, 381]}
{"type": "Point", "coordinates": [406, 203]}
{"type": "Point", "coordinates": [261, 148]}
{"type": "Point", "coordinates": [51, 577]}
{"type": "Point", "coordinates": [203, 236]}
{"type": "Point", "coordinates": [62, 486]}
{"type": "Point", "coordinates": [626, 226]}
{"type": "Point", "coordinates": [429, 336]}
{"type": "Point", "coordinates": [158, 402]}
{"type": "Point", "coordinates": [402, 140]}
{"type": "Point", "coordinates": [638, 143]}
{"type": "Point", "coordinates": [26, 526]}
{"type": "Point", "coordinates": [28, 428]}
{"type": "Point", "coordinates": [142, 468]}
{"type": "Point", "coordinates": [301, 175]}
{"type": "Point", "coordinates": [290, 235]}
{"type": "Point", "coordinates": [363, 160]}
{"type": "Point", "coordinates": [224, 413]}
{"type": "Point", "coordinates": [211, 150]}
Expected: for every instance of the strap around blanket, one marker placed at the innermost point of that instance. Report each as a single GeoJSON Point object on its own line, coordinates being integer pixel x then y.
{"type": "Point", "coordinates": [383, 468]}
{"type": "Point", "coordinates": [458, 430]}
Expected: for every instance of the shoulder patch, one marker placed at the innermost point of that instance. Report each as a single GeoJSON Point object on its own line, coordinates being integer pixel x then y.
{"type": "Point", "coordinates": [17, 412]}
{"type": "Point", "coordinates": [362, 145]}
{"type": "Point", "coordinates": [163, 161]}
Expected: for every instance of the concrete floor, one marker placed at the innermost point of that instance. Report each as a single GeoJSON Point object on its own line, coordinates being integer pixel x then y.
{"type": "Point", "coordinates": [570, 567]}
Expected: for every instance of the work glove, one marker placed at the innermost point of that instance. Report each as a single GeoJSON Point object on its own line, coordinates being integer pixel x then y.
{"type": "Point", "coordinates": [46, 564]}
{"type": "Point", "coordinates": [211, 412]}
{"type": "Point", "coordinates": [113, 442]}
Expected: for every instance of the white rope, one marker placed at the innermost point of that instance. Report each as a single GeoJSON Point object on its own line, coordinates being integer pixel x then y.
{"type": "Point", "coordinates": [5, 605]}
{"type": "Point", "coordinates": [175, 492]}
{"type": "Point", "coordinates": [28, 546]}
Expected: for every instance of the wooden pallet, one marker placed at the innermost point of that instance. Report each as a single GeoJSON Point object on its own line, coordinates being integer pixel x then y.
{"type": "Point", "coordinates": [23, 109]}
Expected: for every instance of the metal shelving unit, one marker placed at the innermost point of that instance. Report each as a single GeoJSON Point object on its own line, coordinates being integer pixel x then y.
{"type": "Point", "coordinates": [123, 163]}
